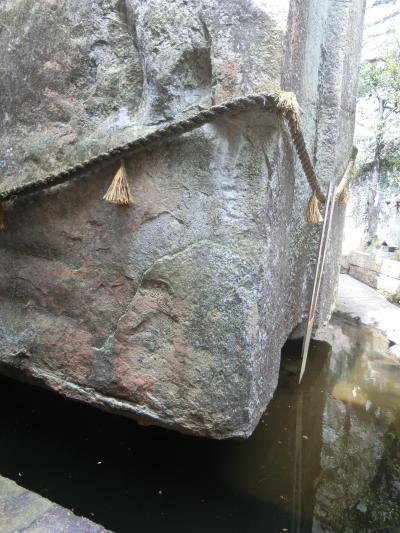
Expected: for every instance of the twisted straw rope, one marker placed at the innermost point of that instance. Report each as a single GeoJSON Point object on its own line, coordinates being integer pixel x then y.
{"type": "Point", "coordinates": [267, 101]}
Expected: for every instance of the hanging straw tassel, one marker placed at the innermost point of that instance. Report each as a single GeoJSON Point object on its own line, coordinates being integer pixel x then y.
{"type": "Point", "coordinates": [288, 105]}
{"type": "Point", "coordinates": [119, 192]}
{"type": "Point", "coordinates": [2, 213]}
{"type": "Point", "coordinates": [344, 196]}
{"type": "Point", "coordinates": [313, 215]}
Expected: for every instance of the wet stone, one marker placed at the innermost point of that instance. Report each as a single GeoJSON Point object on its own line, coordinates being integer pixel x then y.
{"type": "Point", "coordinates": [22, 510]}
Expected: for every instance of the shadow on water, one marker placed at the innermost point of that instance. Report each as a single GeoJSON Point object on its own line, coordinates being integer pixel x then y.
{"type": "Point", "coordinates": [296, 473]}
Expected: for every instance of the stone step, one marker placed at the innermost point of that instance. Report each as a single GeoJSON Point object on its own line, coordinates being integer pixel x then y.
{"type": "Point", "coordinates": [23, 510]}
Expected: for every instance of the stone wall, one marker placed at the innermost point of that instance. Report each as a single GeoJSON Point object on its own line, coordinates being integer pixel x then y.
{"type": "Point", "coordinates": [173, 311]}
{"type": "Point", "coordinates": [376, 271]}
{"type": "Point", "coordinates": [381, 32]}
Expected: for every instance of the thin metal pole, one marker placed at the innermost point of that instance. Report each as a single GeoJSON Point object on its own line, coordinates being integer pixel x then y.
{"type": "Point", "coordinates": [323, 247]}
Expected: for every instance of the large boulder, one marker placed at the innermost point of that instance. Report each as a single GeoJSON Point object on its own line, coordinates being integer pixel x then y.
{"type": "Point", "coordinates": [172, 311]}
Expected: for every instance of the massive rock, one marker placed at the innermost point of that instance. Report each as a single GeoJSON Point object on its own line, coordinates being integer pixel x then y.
{"type": "Point", "coordinates": [173, 311]}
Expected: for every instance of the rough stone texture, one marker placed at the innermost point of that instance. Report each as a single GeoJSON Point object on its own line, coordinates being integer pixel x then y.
{"type": "Point", "coordinates": [381, 27]}
{"type": "Point", "coordinates": [375, 271]}
{"type": "Point", "coordinates": [23, 510]}
{"type": "Point", "coordinates": [381, 32]}
{"type": "Point", "coordinates": [174, 311]}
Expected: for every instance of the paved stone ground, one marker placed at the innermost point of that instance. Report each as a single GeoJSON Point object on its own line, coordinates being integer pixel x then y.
{"type": "Point", "coordinates": [359, 301]}
{"type": "Point", "coordinates": [23, 510]}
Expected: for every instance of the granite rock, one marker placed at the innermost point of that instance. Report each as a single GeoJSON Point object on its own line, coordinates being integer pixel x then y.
{"type": "Point", "coordinates": [173, 311]}
{"type": "Point", "coordinates": [23, 510]}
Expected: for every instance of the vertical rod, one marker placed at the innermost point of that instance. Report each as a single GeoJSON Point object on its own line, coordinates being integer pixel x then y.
{"type": "Point", "coordinates": [323, 247]}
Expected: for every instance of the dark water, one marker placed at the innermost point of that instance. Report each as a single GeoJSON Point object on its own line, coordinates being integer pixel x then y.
{"type": "Point", "coordinates": [324, 458]}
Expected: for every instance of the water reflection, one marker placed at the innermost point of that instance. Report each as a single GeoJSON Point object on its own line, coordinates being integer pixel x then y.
{"type": "Point", "coordinates": [324, 458]}
{"type": "Point", "coordinates": [279, 465]}
{"type": "Point", "coordinates": [359, 489]}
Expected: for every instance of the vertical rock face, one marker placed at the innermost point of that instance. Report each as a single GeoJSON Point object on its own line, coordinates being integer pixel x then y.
{"type": "Point", "coordinates": [172, 311]}
{"type": "Point", "coordinates": [372, 213]}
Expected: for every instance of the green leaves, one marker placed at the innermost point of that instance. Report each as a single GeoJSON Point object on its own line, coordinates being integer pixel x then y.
{"type": "Point", "coordinates": [379, 84]}
{"type": "Point", "coordinates": [381, 78]}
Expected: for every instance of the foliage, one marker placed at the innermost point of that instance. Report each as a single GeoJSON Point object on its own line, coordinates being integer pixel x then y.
{"type": "Point", "coordinates": [380, 81]}
{"type": "Point", "coordinates": [395, 298]}
{"type": "Point", "coordinates": [381, 78]}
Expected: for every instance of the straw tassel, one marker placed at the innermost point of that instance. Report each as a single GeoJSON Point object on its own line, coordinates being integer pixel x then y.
{"type": "Point", "coordinates": [313, 215]}
{"type": "Point", "coordinates": [119, 192]}
{"type": "Point", "coordinates": [344, 196]}
{"type": "Point", "coordinates": [2, 213]}
{"type": "Point", "coordinates": [288, 105]}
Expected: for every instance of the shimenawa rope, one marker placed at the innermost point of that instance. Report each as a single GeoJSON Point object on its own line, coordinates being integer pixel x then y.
{"type": "Point", "coordinates": [284, 103]}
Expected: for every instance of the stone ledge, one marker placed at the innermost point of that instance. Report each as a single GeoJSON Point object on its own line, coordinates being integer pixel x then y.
{"type": "Point", "coordinates": [23, 510]}
{"type": "Point", "coordinates": [377, 272]}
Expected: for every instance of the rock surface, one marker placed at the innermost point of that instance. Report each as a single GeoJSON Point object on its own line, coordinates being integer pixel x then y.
{"type": "Point", "coordinates": [23, 510]}
{"type": "Point", "coordinates": [381, 33]}
{"type": "Point", "coordinates": [173, 311]}
{"type": "Point", "coordinates": [376, 271]}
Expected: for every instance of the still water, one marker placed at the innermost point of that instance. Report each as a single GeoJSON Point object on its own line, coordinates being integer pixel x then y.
{"type": "Point", "coordinates": [324, 458]}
